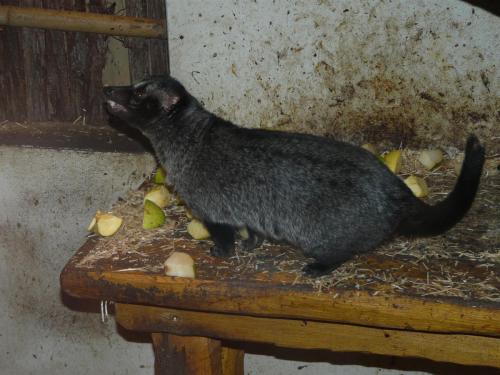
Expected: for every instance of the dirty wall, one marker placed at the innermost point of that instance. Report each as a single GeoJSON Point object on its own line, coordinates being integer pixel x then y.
{"type": "Point", "coordinates": [416, 73]}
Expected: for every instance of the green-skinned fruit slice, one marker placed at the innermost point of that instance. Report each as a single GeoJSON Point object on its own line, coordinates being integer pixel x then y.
{"type": "Point", "coordinates": [160, 176]}
{"type": "Point", "coordinates": [153, 216]}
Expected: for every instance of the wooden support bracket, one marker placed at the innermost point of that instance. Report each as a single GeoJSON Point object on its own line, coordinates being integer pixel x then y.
{"type": "Point", "coordinates": [303, 334]}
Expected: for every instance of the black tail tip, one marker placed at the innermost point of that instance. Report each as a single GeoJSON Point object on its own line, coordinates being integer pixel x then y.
{"type": "Point", "coordinates": [473, 146]}
{"type": "Point", "coordinates": [474, 154]}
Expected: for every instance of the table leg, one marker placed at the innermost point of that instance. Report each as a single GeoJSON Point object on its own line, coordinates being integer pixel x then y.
{"type": "Point", "coordinates": [232, 361]}
{"type": "Point", "coordinates": [193, 355]}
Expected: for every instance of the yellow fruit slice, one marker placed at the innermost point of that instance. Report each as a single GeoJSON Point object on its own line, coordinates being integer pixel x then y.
{"type": "Point", "coordinates": [159, 195]}
{"type": "Point", "coordinates": [243, 232]}
{"type": "Point", "coordinates": [105, 224]}
{"type": "Point", "coordinates": [393, 160]}
{"type": "Point", "coordinates": [418, 186]}
{"type": "Point", "coordinates": [197, 230]}
{"type": "Point", "coordinates": [92, 224]}
{"type": "Point", "coordinates": [430, 158]}
{"type": "Point", "coordinates": [108, 224]}
{"type": "Point", "coordinates": [371, 148]}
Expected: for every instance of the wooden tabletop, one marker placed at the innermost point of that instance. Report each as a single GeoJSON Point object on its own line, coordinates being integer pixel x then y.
{"type": "Point", "coordinates": [443, 284]}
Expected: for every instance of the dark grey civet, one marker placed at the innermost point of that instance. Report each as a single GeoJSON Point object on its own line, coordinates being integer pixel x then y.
{"type": "Point", "coordinates": [329, 198]}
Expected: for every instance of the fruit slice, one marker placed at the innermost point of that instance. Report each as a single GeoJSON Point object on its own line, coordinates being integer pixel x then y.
{"type": "Point", "coordinates": [108, 224]}
{"type": "Point", "coordinates": [371, 148]}
{"type": "Point", "coordinates": [105, 224]}
{"type": "Point", "coordinates": [418, 186]}
{"type": "Point", "coordinates": [197, 230]}
{"type": "Point", "coordinates": [160, 176]}
{"type": "Point", "coordinates": [179, 264]}
{"type": "Point", "coordinates": [159, 195]}
{"type": "Point", "coordinates": [430, 158]}
{"type": "Point", "coordinates": [393, 161]}
{"type": "Point", "coordinates": [92, 224]}
{"type": "Point", "coordinates": [153, 215]}
{"type": "Point", "coordinates": [243, 232]}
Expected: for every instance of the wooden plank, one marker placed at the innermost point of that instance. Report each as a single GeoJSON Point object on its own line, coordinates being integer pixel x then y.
{"type": "Point", "coordinates": [186, 355]}
{"type": "Point", "coordinates": [12, 76]}
{"type": "Point", "coordinates": [266, 299]}
{"type": "Point", "coordinates": [303, 334]}
{"type": "Point", "coordinates": [64, 135]}
{"type": "Point", "coordinates": [147, 57]}
{"type": "Point", "coordinates": [52, 75]}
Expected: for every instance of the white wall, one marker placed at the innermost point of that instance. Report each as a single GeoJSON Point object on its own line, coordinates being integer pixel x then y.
{"type": "Point", "coordinates": [47, 198]}
{"type": "Point", "coordinates": [422, 72]}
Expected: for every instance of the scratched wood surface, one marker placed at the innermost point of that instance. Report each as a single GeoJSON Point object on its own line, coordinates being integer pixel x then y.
{"type": "Point", "coordinates": [448, 283]}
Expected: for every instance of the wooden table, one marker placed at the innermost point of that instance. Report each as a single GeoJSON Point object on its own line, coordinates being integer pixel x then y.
{"type": "Point", "coordinates": [387, 303]}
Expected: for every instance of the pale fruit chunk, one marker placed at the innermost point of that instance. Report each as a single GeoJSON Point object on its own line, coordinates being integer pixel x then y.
{"type": "Point", "coordinates": [371, 148]}
{"type": "Point", "coordinates": [179, 264]}
{"type": "Point", "coordinates": [418, 186]}
{"type": "Point", "coordinates": [430, 158]}
{"type": "Point", "coordinates": [108, 224]}
{"type": "Point", "coordinates": [105, 224]}
{"type": "Point", "coordinates": [160, 176]}
{"type": "Point", "coordinates": [92, 224]}
{"type": "Point", "coordinates": [189, 214]}
{"type": "Point", "coordinates": [393, 160]}
{"type": "Point", "coordinates": [153, 215]}
{"type": "Point", "coordinates": [243, 232]}
{"type": "Point", "coordinates": [159, 195]}
{"type": "Point", "coordinates": [457, 164]}
{"type": "Point", "coordinates": [197, 230]}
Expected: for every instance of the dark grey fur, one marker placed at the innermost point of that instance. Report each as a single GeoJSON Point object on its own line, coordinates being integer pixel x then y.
{"type": "Point", "coordinates": [329, 198]}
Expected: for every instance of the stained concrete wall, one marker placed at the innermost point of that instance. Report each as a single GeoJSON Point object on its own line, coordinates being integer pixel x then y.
{"type": "Point", "coordinates": [46, 200]}
{"type": "Point", "coordinates": [414, 72]}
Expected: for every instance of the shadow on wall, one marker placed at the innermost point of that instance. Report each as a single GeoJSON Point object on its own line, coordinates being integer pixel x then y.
{"type": "Point", "coordinates": [488, 5]}
{"type": "Point", "coordinates": [94, 307]}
